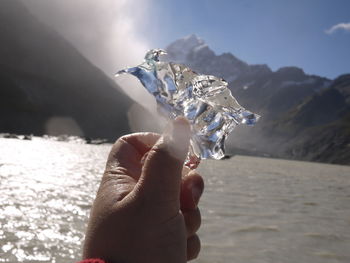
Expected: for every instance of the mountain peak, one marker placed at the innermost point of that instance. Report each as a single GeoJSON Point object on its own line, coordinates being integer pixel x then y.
{"type": "Point", "coordinates": [193, 38]}
{"type": "Point", "coordinates": [181, 48]}
{"type": "Point", "coordinates": [194, 52]}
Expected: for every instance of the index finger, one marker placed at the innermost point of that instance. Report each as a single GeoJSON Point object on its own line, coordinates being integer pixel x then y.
{"type": "Point", "coordinates": [127, 152]}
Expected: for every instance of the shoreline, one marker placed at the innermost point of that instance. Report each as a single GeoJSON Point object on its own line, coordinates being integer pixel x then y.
{"type": "Point", "coordinates": [234, 151]}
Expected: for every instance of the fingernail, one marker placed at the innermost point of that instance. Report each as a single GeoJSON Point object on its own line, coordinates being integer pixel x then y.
{"type": "Point", "coordinates": [180, 130]}
{"type": "Point", "coordinates": [178, 138]}
{"type": "Point", "coordinates": [196, 194]}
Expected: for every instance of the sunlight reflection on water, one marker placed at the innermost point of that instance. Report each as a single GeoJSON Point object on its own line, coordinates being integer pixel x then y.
{"type": "Point", "coordinates": [262, 211]}
{"type": "Point", "coordinates": [47, 191]}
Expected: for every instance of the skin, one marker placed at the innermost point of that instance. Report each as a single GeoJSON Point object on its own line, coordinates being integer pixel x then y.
{"type": "Point", "coordinates": [146, 206]}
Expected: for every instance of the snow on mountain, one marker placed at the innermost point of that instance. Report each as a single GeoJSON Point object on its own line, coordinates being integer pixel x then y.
{"type": "Point", "coordinates": [179, 49]}
{"type": "Point", "coordinates": [279, 97]}
{"type": "Point", "coordinates": [194, 52]}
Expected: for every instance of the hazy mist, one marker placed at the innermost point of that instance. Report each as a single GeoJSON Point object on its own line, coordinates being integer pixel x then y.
{"type": "Point", "coordinates": [106, 32]}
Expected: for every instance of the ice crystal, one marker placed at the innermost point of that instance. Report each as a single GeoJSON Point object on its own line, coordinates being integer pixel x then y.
{"type": "Point", "coordinates": [204, 100]}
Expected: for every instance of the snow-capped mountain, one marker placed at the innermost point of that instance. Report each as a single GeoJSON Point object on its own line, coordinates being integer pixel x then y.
{"type": "Point", "coordinates": [247, 81]}
{"type": "Point", "coordinates": [294, 105]}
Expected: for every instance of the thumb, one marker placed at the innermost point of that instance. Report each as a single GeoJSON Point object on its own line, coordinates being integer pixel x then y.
{"type": "Point", "coordinates": [161, 174]}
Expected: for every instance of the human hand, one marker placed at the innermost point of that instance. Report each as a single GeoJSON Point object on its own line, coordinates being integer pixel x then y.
{"type": "Point", "coordinates": [145, 211]}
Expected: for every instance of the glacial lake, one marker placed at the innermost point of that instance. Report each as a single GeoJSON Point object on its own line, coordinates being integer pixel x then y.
{"type": "Point", "coordinates": [254, 210]}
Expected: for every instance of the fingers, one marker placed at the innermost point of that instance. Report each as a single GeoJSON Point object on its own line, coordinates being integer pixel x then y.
{"type": "Point", "coordinates": [161, 174]}
{"type": "Point", "coordinates": [126, 154]}
{"type": "Point", "coordinates": [123, 166]}
{"type": "Point", "coordinates": [193, 247]}
{"type": "Point", "coordinates": [192, 221]}
{"type": "Point", "coordinates": [192, 187]}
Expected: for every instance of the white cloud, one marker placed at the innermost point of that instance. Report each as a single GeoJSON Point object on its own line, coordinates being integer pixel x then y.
{"type": "Point", "coordinates": [337, 27]}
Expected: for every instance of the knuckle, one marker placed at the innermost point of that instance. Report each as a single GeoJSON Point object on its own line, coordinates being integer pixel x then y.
{"type": "Point", "coordinates": [160, 154]}
{"type": "Point", "coordinates": [158, 150]}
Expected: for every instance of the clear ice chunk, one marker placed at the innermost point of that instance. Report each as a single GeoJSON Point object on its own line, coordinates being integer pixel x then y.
{"type": "Point", "coordinates": [204, 100]}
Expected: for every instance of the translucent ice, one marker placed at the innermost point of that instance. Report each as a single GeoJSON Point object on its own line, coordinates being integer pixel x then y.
{"type": "Point", "coordinates": [204, 100]}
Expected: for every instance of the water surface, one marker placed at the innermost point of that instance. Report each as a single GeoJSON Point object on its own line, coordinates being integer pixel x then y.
{"type": "Point", "coordinates": [253, 210]}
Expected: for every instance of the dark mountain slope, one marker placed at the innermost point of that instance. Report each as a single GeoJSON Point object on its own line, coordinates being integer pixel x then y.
{"type": "Point", "coordinates": [47, 86]}
{"type": "Point", "coordinates": [320, 126]}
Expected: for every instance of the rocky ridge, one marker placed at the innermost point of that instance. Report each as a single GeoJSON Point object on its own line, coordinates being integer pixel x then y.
{"type": "Point", "coordinates": [304, 117]}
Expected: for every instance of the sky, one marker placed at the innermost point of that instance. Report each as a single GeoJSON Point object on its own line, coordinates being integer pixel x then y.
{"type": "Point", "coordinates": [301, 33]}
{"type": "Point", "coordinates": [311, 34]}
